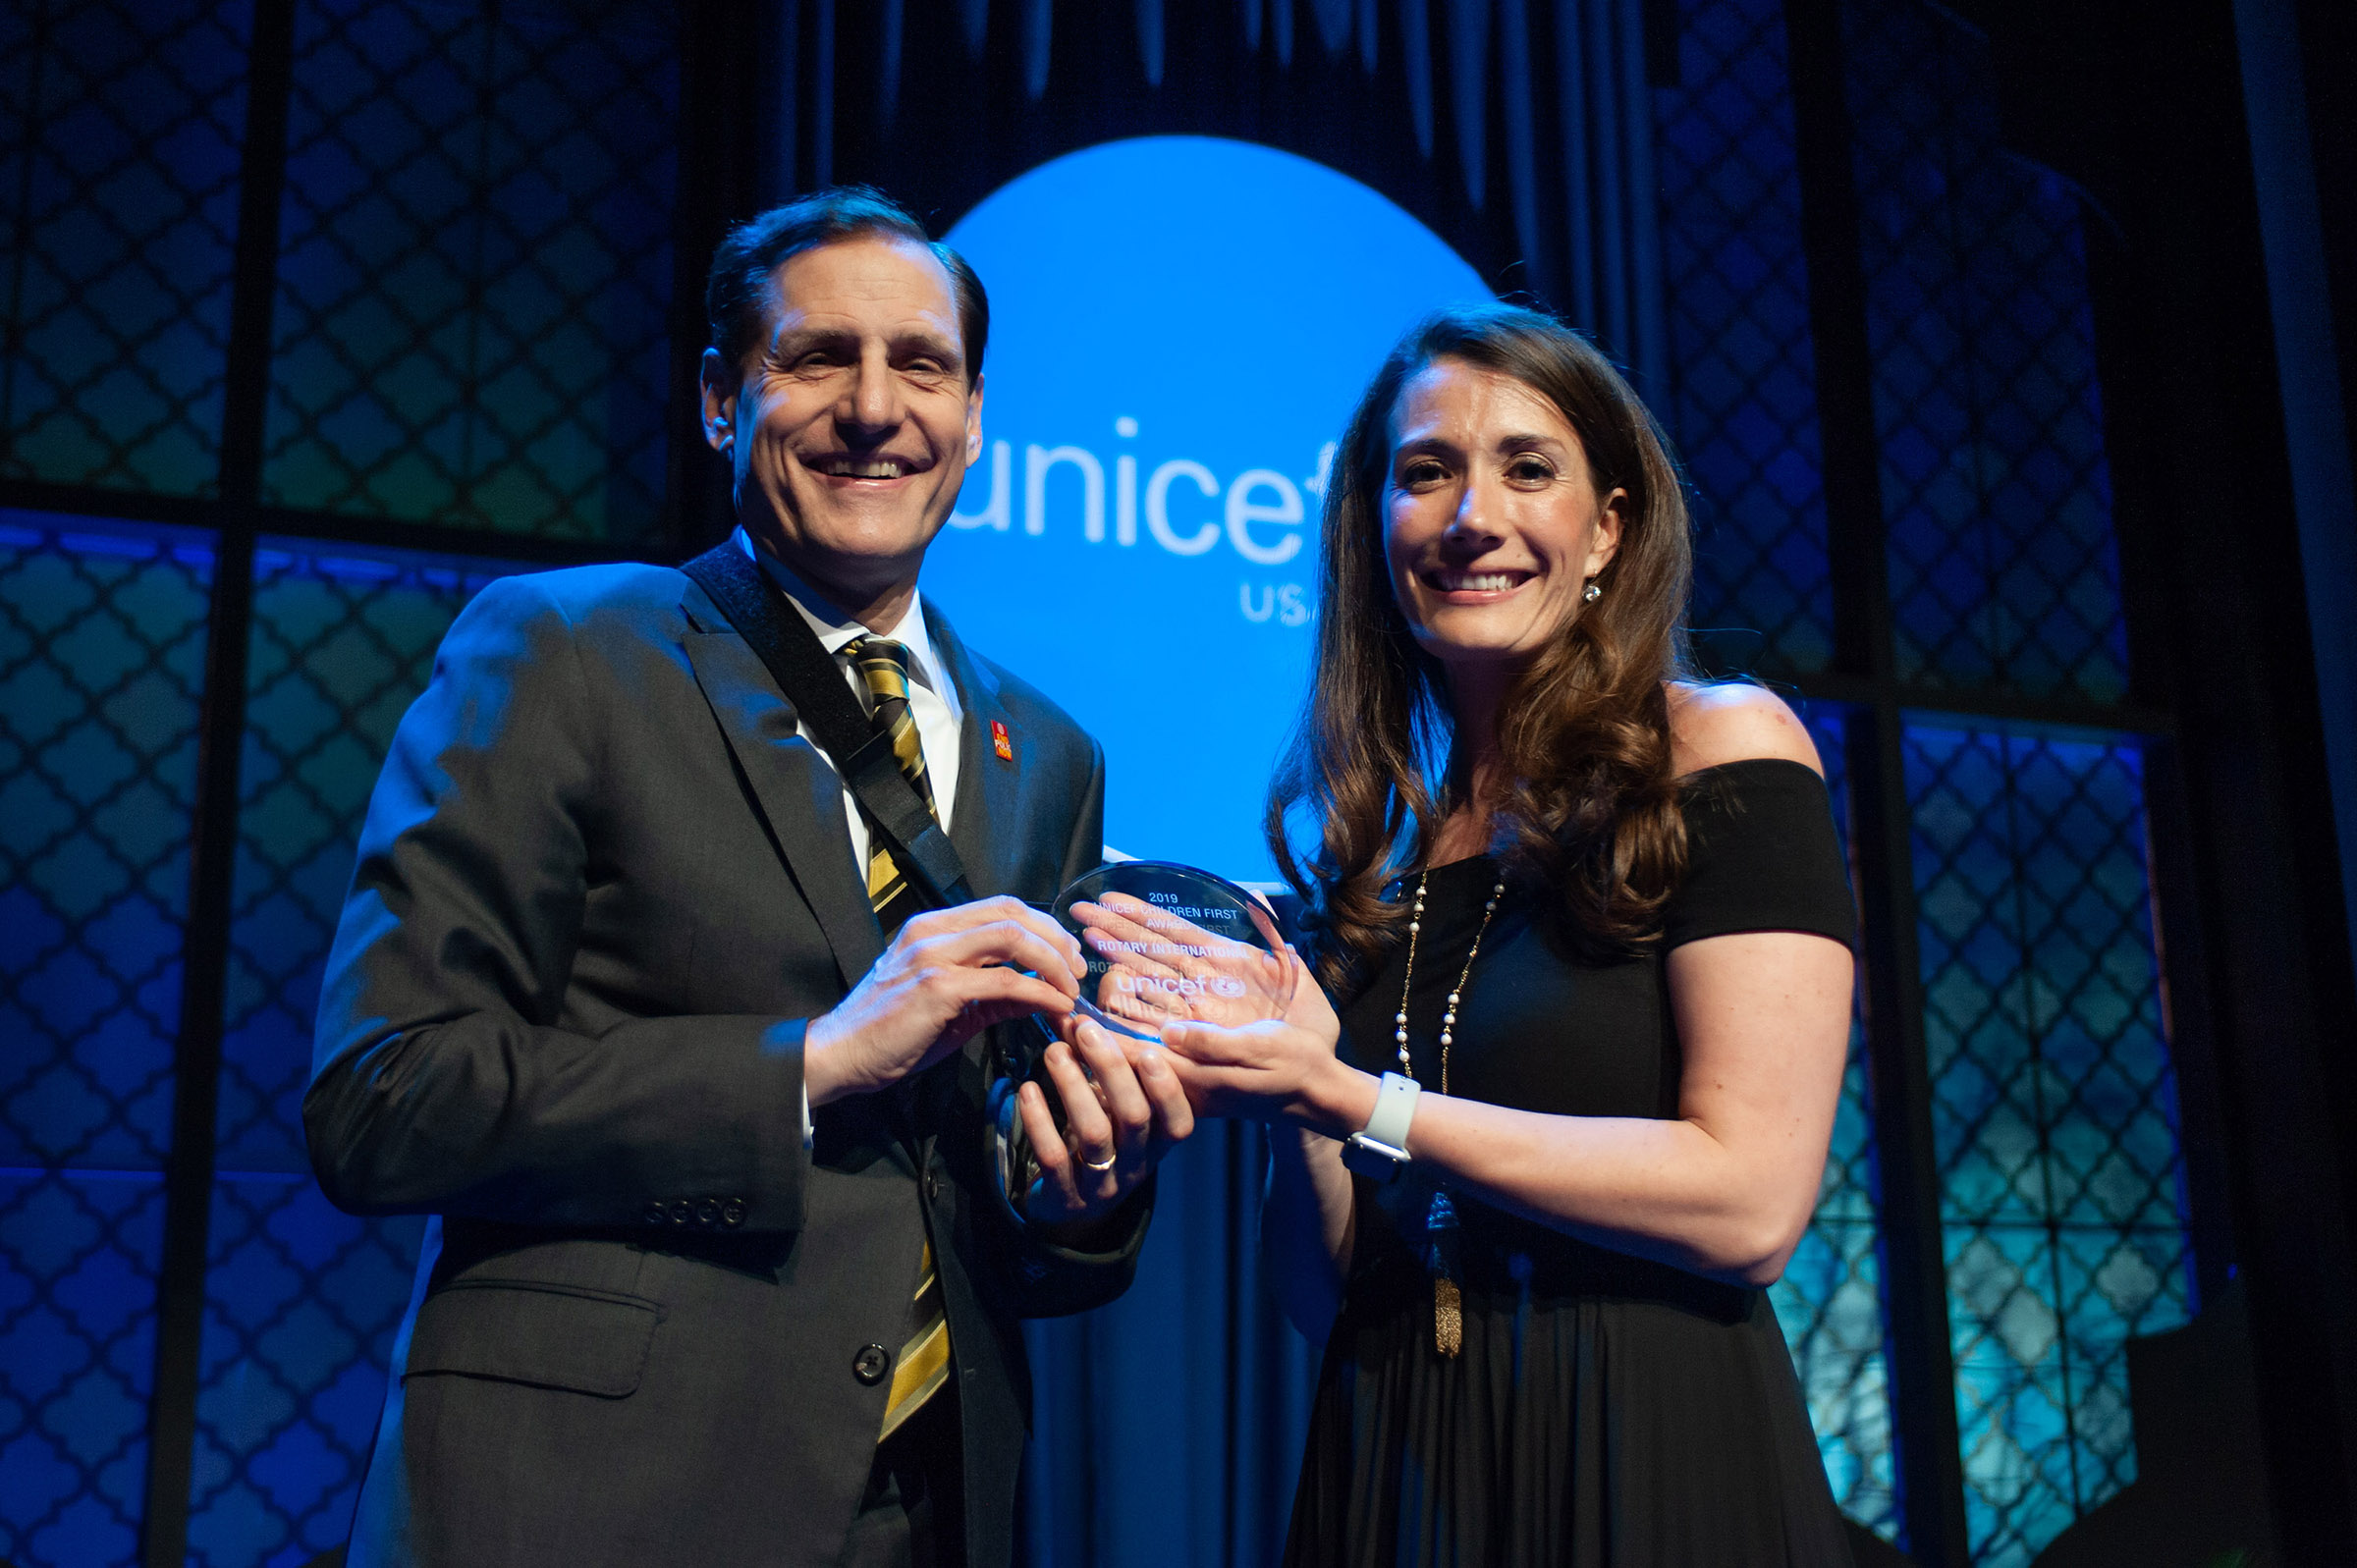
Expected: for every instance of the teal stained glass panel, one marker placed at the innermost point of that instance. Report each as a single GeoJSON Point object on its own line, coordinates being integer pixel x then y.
{"type": "Point", "coordinates": [300, 1300]}
{"type": "Point", "coordinates": [474, 292]}
{"type": "Point", "coordinates": [1997, 492]}
{"type": "Point", "coordinates": [1744, 407]}
{"type": "Point", "coordinates": [102, 630]}
{"type": "Point", "coordinates": [2053, 1111]}
{"type": "Point", "coordinates": [1830, 1299]}
{"type": "Point", "coordinates": [121, 130]}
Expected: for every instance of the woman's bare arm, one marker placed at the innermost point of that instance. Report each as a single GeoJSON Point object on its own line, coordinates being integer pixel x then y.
{"type": "Point", "coordinates": [1725, 1189]}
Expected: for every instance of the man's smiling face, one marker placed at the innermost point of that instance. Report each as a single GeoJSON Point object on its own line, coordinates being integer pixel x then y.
{"type": "Point", "coordinates": [851, 424]}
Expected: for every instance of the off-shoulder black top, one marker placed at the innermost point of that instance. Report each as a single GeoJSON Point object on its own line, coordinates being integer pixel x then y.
{"type": "Point", "coordinates": [1605, 1409]}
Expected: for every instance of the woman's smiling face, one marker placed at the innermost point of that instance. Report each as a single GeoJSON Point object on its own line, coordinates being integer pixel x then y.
{"type": "Point", "coordinates": [1493, 525]}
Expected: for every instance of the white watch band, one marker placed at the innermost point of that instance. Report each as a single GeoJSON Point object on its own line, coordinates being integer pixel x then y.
{"type": "Point", "coordinates": [1394, 1109]}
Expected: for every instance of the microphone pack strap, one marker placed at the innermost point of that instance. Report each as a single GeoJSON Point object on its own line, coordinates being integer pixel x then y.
{"type": "Point", "coordinates": [813, 683]}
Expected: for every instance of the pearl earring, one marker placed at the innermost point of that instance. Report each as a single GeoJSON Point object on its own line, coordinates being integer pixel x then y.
{"type": "Point", "coordinates": [1591, 593]}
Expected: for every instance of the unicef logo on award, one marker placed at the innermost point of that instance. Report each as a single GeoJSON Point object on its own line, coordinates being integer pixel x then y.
{"type": "Point", "coordinates": [1178, 327]}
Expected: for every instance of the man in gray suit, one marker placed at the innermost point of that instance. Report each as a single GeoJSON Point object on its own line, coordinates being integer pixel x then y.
{"type": "Point", "coordinates": [632, 997]}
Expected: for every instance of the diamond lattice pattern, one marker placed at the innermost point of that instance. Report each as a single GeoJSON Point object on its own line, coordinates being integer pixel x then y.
{"type": "Point", "coordinates": [1995, 491]}
{"type": "Point", "coordinates": [301, 1301]}
{"type": "Point", "coordinates": [2053, 1111]}
{"type": "Point", "coordinates": [101, 656]}
{"type": "Point", "coordinates": [476, 281]}
{"type": "Point", "coordinates": [120, 127]}
{"type": "Point", "coordinates": [1830, 1299]}
{"type": "Point", "coordinates": [1744, 412]}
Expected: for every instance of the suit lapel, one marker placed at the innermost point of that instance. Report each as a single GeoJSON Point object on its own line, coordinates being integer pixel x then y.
{"type": "Point", "coordinates": [799, 795]}
{"type": "Point", "coordinates": [986, 826]}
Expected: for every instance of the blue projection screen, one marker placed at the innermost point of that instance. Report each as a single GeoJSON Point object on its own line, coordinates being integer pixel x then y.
{"type": "Point", "coordinates": [1179, 329]}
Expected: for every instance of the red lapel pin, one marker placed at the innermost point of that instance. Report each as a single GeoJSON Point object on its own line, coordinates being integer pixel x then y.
{"type": "Point", "coordinates": [999, 741]}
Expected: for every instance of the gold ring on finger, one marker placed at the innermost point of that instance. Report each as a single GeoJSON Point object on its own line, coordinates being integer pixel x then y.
{"type": "Point", "coordinates": [1101, 1166]}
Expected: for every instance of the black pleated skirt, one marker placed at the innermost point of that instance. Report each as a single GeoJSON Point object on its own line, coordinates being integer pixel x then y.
{"type": "Point", "coordinates": [1604, 1411]}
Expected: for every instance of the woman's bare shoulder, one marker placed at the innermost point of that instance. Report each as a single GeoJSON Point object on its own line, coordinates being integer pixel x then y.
{"type": "Point", "coordinates": [1712, 723]}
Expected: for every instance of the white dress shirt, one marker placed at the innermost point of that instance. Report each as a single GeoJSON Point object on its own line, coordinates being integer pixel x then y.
{"type": "Point", "coordinates": [932, 702]}
{"type": "Point", "coordinates": [932, 695]}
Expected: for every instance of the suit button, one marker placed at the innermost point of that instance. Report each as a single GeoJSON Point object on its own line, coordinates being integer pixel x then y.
{"type": "Point", "coordinates": [731, 1213]}
{"type": "Point", "coordinates": [707, 1212]}
{"type": "Point", "coordinates": [871, 1364]}
{"type": "Point", "coordinates": [932, 1187]}
{"type": "Point", "coordinates": [681, 1212]}
{"type": "Point", "coordinates": [656, 1214]}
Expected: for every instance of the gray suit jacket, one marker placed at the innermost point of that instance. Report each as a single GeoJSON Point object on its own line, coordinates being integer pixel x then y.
{"type": "Point", "coordinates": [601, 886]}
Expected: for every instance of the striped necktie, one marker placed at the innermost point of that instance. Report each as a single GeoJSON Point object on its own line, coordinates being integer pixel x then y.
{"type": "Point", "coordinates": [923, 1363]}
{"type": "Point", "coordinates": [883, 668]}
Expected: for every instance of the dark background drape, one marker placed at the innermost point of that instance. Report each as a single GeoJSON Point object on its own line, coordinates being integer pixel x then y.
{"type": "Point", "coordinates": [1167, 1428]}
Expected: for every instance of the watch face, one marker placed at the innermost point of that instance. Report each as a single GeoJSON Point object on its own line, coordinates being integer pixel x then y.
{"type": "Point", "coordinates": [1171, 944]}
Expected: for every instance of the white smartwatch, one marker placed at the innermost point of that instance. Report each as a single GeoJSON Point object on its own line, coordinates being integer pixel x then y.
{"type": "Point", "coordinates": [1379, 1150]}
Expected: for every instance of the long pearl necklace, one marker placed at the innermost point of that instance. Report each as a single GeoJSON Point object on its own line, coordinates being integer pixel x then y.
{"type": "Point", "coordinates": [1415, 927]}
{"type": "Point", "coordinates": [1448, 1301]}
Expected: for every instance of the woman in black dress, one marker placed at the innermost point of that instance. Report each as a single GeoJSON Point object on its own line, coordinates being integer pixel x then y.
{"type": "Point", "coordinates": [1597, 914]}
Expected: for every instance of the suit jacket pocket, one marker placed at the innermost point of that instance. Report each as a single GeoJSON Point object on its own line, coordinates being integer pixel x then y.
{"type": "Point", "coordinates": [554, 1337]}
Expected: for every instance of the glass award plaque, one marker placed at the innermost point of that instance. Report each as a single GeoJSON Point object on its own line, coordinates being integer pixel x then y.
{"type": "Point", "coordinates": [1164, 943]}
{"type": "Point", "coordinates": [1171, 944]}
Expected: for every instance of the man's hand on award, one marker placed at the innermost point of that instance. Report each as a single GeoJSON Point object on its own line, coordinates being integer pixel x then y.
{"type": "Point", "coordinates": [949, 975]}
{"type": "Point", "coordinates": [1124, 1110]}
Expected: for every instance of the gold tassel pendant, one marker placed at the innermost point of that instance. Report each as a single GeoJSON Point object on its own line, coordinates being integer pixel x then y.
{"type": "Point", "coordinates": [1448, 1302]}
{"type": "Point", "coordinates": [1448, 1316]}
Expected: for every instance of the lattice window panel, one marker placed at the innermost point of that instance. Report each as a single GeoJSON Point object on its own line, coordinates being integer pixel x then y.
{"type": "Point", "coordinates": [1744, 412]}
{"type": "Point", "coordinates": [301, 1301]}
{"type": "Point", "coordinates": [1830, 1299]}
{"type": "Point", "coordinates": [301, 1305]}
{"type": "Point", "coordinates": [1996, 494]}
{"type": "Point", "coordinates": [2053, 1111]}
{"type": "Point", "coordinates": [119, 130]}
{"type": "Point", "coordinates": [102, 658]}
{"type": "Point", "coordinates": [476, 278]}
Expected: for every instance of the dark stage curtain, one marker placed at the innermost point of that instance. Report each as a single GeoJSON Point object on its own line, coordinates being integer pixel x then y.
{"type": "Point", "coordinates": [1167, 1428]}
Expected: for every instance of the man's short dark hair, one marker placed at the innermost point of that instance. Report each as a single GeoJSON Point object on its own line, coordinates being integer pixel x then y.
{"type": "Point", "coordinates": [738, 288]}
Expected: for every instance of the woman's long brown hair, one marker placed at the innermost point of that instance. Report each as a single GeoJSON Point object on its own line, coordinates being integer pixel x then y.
{"type": "Point", "coordinates": [1587, 806]}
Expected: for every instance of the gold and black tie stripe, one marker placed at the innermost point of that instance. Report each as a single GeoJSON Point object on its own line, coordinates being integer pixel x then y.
{"type": "Point", "coordinates": [923, 1363]}
{"type": "Point", "coordinates": [883, 668]}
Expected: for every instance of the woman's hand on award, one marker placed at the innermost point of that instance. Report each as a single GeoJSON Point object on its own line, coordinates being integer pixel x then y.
{"type": "Point", "coordinates": [1124, 1110]}
{"type": "Point", "coordinates": [949, 975]}
{"type": "Point", "coordinates": [1165, 945]}
{"type": "Point", "coordinates": [1160, 967]}
{"type": "Point", "coordinates": [1278, 1070]}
